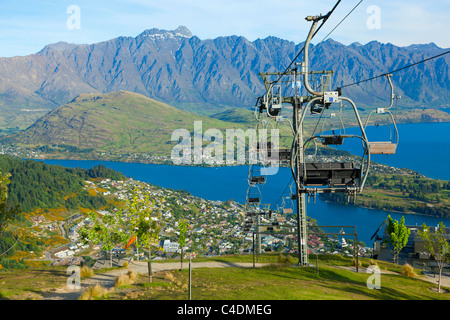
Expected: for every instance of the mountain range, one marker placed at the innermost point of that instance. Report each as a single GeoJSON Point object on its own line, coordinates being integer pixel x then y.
{"type": "Point", "coordinates": [206, 76]}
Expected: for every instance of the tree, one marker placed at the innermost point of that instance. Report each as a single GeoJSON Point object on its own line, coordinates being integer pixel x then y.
{"type": "Point", "coordinates": [6, 214]}
{"type": "Point", "coordinates": [398, 235]}
{"type": "Point", "coordinates": [145, 221]}
{"type": "Point", "coordinates": [105, 230]}
{"type": "Point", "coordinates": [182, 227]}
{"type": "Point", "coordinates": [437, 245]}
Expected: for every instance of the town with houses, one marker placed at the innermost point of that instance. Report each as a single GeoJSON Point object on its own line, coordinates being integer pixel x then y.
{"type": "Point", "coordinates": [206, 160]}
{"type": "Point", "coordinates": [214, 228]}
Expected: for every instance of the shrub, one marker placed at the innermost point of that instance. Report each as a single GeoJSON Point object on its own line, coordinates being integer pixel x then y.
{"type": "Point", "coordinates": [93, 292]}
{"type": "Point", "coordinates": [121, 280]}
{"type": "Point", "coordinates": [132, 275]}
{"type": "Point", "coordinates": [169, 276]}
{"type": "Point", "coordinates": [285, 259]}
{"type": "Point", "coordinates": [125, 279]}
{"type": "Point", "coordinates": [408, 271]}
{"type": "Point", "coordinates": [360, 263]}
{"type": "Point", "coordinates": [86, 272]}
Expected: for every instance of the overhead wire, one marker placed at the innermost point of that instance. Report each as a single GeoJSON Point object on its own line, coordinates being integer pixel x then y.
{"type": "Point", "coordinates": [324, 19]}
{"type": "Point", "coordinates": [323, 22]}
{"type": "Point", "coordinates": [336, 26]}
{"type": "Point", "coordinates": [397, 70]}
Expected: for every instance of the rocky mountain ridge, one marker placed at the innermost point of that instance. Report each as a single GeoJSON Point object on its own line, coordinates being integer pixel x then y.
{"type": "Point", "coordinates": [178, 68]}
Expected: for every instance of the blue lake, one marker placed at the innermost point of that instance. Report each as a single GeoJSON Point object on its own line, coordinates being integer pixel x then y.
{"type": "Point", "coordinates": [422, 147]}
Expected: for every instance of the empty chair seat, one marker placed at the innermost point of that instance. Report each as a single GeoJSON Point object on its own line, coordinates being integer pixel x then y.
{"type": "Point", "coordinates": [382, 147]}
{"type": "Point", "coordinates": [330, 174]}
{"type": "Point", "coordinates": [253, 200]}
{"type": "Point", "coordinates": [284, 154]}
{"type": "Point", "coordinates": [274, 109]}
{"type": "Point", "coordinates": [333, 140]}
{"type": "Point", "coordinates": [258, 180]}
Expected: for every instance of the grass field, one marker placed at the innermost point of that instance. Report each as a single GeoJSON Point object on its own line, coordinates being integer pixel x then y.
{"type": "Point", "coordinates": [30, 284]}
{"type": "Point", "coordinates": [333, 281]}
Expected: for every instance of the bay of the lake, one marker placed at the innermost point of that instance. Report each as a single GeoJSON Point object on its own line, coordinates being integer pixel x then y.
{"type": "Point", "coordinates": [423, 147]}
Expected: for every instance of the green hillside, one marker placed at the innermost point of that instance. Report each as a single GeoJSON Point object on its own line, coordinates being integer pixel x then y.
{"type": "Point", "coordinates": [402, 193]}
{"type": "Point", "coordinates": [236, 115]}
{"type": "Point", "coordinates": [34, 184]}
{"type": "Point", "coordinates": [52, 192]}
{"type": "Point", "coordinates": [109, 126]}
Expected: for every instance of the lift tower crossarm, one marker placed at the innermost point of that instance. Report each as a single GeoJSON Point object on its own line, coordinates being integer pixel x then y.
{"type": "Point", "coordinates": [294, 72]}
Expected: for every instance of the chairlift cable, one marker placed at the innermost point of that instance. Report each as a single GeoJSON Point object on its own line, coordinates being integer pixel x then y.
{"type": "Point", "coordinates": [17, 241]}
{"type": "Point", "coordinates": [402, 68]}
{"type": "Point", "coordinates": [284, 191]}
{"type": "Point", "coordinates": [335, 26]}
{"type": "Point", "coordinates": [325, 18]}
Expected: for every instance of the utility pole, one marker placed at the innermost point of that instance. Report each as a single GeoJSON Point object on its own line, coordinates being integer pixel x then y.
{"type": "Point", "coordinates": [190, 276]}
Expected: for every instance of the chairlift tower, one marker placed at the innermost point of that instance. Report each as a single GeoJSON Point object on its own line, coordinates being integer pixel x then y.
{"type": "Point", "coordinates": [302, 236]}
{"type": "Point", "coordinates": [297, 103]}
{"type": "Point", "coordinates": [313, 177]}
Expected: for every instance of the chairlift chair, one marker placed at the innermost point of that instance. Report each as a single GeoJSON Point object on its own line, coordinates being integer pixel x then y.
{"type": "Point", "coordinates": [389, 146]}
{"type": "Point", "coordinates": [255, 178]}
{"type": "Point", "coordinates": [283, 154]}
{"type": "Point", "coordinates": [273, 101]}
{"type": "Point", "coordinates": [329, 177]}
{"type": "Point", "coordinates": [253, 197]}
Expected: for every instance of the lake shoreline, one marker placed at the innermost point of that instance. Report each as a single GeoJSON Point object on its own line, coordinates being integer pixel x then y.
{"type": "Point", "coordinates": [230, 183]}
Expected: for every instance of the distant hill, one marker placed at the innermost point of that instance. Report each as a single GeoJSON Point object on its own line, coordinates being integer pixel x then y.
{"type": "Point", "coordinates": [35, 184]}
{"type": "Point", "coordinates": [115, 123]}
{"type": "Point", "coordinates": [237, 115]}
{"type": "Point", "coordinates": [206, 76]}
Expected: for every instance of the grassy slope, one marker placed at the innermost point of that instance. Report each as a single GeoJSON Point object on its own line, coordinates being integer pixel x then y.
{"type": "Point", "coordinates": [123, 122]}
{"type": "Point", "coordinates": [387, 194]}
{"type": "Point", "coordinates": [118, 123]}
{"type": "Point", "coordinates": [280, 282]}
{"type": "Point", "coordinates": [274, 282]}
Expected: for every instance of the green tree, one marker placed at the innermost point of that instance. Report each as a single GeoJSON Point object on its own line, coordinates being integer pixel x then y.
{"type": "Point", "coordinates": [398, 235]}
{"type": "Point", "coordinates": [182, 228]}
{"type": "Point", "coordinates": [5, 214]}
{"type": "Point", "coordinates": [105, 230]}
{"type": "Point", "coordinates": [437, 245]}
{"type": "Point", "coordinates": [145, 222]}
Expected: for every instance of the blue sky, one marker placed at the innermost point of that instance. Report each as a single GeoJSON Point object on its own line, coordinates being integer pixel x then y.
{"type": "Point", "coordinates": [26, 26]}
